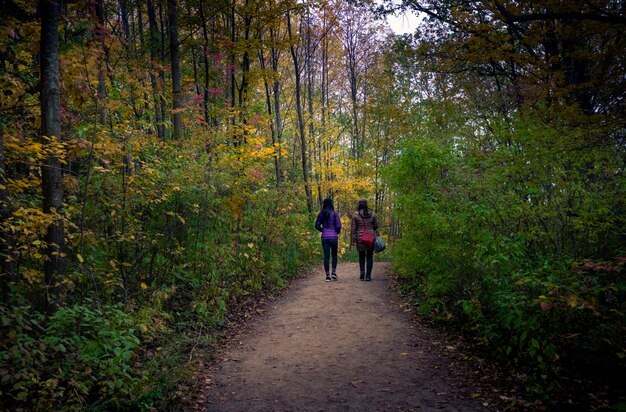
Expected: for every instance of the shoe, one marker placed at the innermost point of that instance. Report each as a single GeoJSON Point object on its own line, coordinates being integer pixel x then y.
{"type": "Point", "coordinates": [333, 276]}
{"type": "Point", "coordinates": [368, 278]}
{"type": "Point", "coordinates": [327, 278]}
{"type": "Point", "coordinates": [362, 277]}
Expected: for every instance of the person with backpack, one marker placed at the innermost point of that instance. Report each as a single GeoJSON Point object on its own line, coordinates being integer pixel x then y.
{"type": "Point", "coordinates": [329, 223]}
{"type": "Point", "coordinates": [362, 234]}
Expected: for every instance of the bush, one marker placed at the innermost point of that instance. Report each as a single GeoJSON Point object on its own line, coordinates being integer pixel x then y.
{"type": "Point", "coordinates": [70, 360]}
{"type": "Point", "coordinates": [514, 236]}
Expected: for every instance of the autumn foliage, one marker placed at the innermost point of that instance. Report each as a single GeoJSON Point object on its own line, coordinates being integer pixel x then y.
{"type": "Point", "coordinates": [169, 171]}
{"type": "Point", "coordinates": [187, 183]}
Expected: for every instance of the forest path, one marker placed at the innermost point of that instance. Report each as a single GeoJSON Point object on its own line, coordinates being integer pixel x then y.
{"type": "Point", "coordinates": [346, 345]}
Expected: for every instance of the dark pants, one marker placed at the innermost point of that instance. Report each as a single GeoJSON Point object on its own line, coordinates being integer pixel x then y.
{"type": "Point", "coordinates": [369, 254]}
{"type": "Point", "coordinates": [330, 247]}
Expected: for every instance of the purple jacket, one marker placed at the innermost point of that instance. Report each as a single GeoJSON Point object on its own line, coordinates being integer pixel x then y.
{"type": "Point", "coordinates": [332, 230]}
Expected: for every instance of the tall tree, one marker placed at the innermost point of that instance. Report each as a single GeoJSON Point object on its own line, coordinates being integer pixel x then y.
{"type": "Point", "coordinates": [177, 106]}
{"type": "Point", "coordinates": [324, 152]}
{"type": "Point", "coordinates": [359, 36]}
{"type": "Point", "coordinates": [51, 173]}
{"type": "Point", "coordinates": [270, 111]}
{"type": "Point", "coordinates": [275, 58]}
{"type": "Point", "coordinates": [156, 82]}
{"type": "Point", "coordinates": [242, 90]}
{"type": "Point", "coordinates": [123, 4]}
{"type": "Point", "coordinates": [301, 126]}
{"type": "Point", "coordinates": [205, 60]}
{"type": "Point", "coordinates": [351, 25]}
{"type": "Point", "coordinates": [273, 88]}
{"type": "Point", "coordinates": [163, 52]}
{"type": "Point", "coordinates": [309, 67]}
{"type": "Point", "coordinates": [102, 61]}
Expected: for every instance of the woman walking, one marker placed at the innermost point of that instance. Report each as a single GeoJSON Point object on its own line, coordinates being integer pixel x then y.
{"type": "Point", "coordinates": [363, 219]}
{"type": "Point", "coordinates": [329, 223]}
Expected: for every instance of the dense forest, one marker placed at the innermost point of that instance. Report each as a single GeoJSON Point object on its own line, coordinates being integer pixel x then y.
{"type": "Point", "coordinates": [162, 163]}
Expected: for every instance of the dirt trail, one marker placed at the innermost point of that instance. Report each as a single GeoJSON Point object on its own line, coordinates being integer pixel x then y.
{"type": "Point", "coordinates": [335, 346]}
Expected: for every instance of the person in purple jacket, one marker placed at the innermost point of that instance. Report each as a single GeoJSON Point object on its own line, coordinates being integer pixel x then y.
{"type": "Point", "coordinates": [329, 223]}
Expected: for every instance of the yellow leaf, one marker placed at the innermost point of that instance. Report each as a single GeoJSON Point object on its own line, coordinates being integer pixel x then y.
{"type": "Point", "coordinates": [80, 258]}
{"type": "Point", "coordinates": [572, 301]}
{"type": "Point", "coordinates": [143, 285]}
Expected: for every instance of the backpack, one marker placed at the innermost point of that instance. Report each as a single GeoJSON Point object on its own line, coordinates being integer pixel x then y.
{"type": "Point", "coordinates": [367, 239]}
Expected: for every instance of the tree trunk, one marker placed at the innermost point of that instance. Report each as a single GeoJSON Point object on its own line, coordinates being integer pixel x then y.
{"type": "Point", "coordinates": [361, 146]}
{"type": "Point", "coordinates": [154, 41]}
{"type": "Point", "coordinates": [196, 81]}
{"type": "Point", "coordinates": [268, 103]}
{"type": "Point", "coordinates": [310, 87]}
{"type": "Point", "coordinates": [305, 172]}
{"type": "Point", "coordinates": [205, 52]}
{"type": "Point", "coordinates": [51, 177]}
{"type": "Point", "coordinates": [351, 56]}
{"type": "Point", "coordinates": [123, 4]}
{"type": "Point", "coordinates": [140, 24]}
{"type": "Point", "coordinates": [177, 118]}
{"type": "Point", "coordinates": [245, 67]}
{"type": "Point", "coordinates": [233, 38]}
{"type": "Point", "coordinates": [355, 114]}
{"type": "Point", "coordinates": [279, 121]}
{"type": "Point", "coordinates": [324, 147]}
{"type": "Point", "coordinates": [101, 96]}
{"type": "Point", "coordinates": [162, 102]}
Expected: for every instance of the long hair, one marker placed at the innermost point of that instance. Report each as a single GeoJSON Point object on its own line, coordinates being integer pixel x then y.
{"type": "Point", "coordinates": [363, 209]}
{"type": "Point", "coordinates": [327, 210]}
